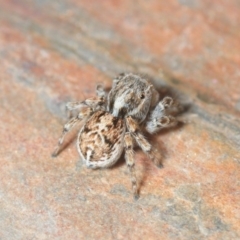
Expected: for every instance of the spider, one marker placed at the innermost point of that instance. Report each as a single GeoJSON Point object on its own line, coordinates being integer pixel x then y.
{"type": "Point", "coordinates": [114, 122]}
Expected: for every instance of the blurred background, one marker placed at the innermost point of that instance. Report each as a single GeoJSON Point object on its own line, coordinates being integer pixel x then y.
{"type": "Point", "coordinates": [52, 52]}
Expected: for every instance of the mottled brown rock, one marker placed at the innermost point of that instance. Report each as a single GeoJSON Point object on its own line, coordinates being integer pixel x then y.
{"type": "Point", "coordinates": [55, 51]}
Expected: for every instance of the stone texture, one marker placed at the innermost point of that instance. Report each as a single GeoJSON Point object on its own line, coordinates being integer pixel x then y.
{"type": "Point", "coordinates": [55, 51]}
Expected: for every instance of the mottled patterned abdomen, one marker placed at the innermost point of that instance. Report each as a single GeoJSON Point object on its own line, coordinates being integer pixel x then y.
{"type": "Point", "coordinates": [100, 142]}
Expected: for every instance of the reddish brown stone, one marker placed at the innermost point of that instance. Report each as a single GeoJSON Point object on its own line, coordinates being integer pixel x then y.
{"type": "Point", "coordinates": [55, 51]}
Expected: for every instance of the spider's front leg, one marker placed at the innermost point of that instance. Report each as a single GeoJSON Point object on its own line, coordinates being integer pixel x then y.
{"type": "Point", "coordinates": [129, 156]}
{"type": "Point", "coordinates": [147, 148]}
{"type": "Point", "coordinates": [86, 108]}
{"type": "Point", "coordinates": [159, 117]}
{"type": "Point", "coordinates": [96, 103]}
{"type": "Point", "coordinates": [84, 113]}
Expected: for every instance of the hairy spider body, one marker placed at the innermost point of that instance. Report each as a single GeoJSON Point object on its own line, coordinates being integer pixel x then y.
{"type": "Point", "coordinates": [100, 141]}
{"type": "Point", "coordinates": [115, 122]}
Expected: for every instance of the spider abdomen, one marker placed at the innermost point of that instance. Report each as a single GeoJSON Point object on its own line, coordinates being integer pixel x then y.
{"type": "Point", "coordinates": [100, 141]}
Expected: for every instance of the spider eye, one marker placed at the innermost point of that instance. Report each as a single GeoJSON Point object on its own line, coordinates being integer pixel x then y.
{"type": "Point", "coordinates": [142, 96]}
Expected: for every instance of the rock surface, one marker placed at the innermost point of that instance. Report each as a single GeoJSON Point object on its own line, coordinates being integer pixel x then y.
{"type": "Point", "coordinates": [55, 51]}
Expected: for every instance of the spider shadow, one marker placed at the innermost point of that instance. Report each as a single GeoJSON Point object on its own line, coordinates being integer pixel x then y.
{"type": "Point", "coordinates": [121, 161]}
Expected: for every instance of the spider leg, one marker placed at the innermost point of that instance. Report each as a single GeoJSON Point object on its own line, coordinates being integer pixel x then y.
{"type": "Point", "coordinates": [147, 148]}
{"type": "Point", "coordinates": [129, 156]}
{"type": "Point", "coordinates": [84, 113]}
{"type": "Point", "coordinates": [157, 124]}
{"type": "Point", "coordinates": [72, 106]}
{"type": "Point", "coordinates": [159, 118]}
{"type": "Point", "coordinates": [96, 103]}
{"type": "Point", "coordinates": [100, 91]}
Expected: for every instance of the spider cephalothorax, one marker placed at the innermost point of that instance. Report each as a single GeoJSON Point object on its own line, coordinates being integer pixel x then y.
{"type": "Point", "coordinates": [131, 95]}
{"type": "Point", "coordinates": [114, 122]}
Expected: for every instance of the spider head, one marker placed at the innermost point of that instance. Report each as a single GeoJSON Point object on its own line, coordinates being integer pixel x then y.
{"type": "Point", "coordinates": [130, 95]}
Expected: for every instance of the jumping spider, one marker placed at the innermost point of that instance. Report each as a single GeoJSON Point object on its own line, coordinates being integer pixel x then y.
{"type": "Point", "coordinates": [114, 122]}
